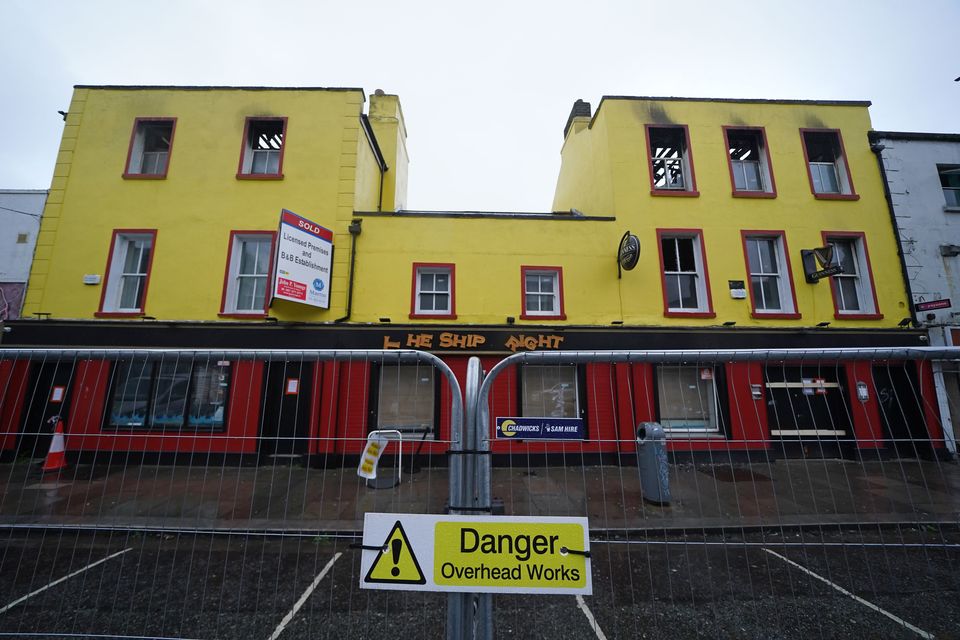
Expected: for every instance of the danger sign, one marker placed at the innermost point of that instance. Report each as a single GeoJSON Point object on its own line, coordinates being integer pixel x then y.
{"type": "Point", "coordinates": [480, 554]}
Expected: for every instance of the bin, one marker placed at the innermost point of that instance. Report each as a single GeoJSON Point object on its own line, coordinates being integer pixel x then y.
{"type": "Point", "coordinates": [652, 463]}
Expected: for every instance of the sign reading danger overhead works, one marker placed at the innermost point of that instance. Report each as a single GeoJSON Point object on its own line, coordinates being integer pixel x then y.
{"type": "Point", "coordinates": [478, 554]}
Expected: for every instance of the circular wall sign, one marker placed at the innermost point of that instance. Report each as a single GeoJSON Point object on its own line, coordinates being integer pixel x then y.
{"type": "Point", "coordinates": [629, 252]}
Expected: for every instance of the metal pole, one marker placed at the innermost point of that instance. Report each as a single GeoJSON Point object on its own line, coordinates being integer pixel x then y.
{"type": "Point", "coordinates": [483, 626]}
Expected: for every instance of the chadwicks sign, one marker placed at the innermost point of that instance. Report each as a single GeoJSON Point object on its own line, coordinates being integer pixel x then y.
{"type": "Point", "coordinates": [478, 554]}
{"type": "Point", "coordinates": [304, 253]}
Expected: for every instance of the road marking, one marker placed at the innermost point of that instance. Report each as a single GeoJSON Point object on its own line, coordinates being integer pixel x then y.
{"type": "Point", "coordinates": [66, 577]}
{"type": "Point", "coordinates": [593, 621]}
{"type": "Point", "coordinates": [303, 598]}
{"type": "Point", "coordinates": [870, 605]}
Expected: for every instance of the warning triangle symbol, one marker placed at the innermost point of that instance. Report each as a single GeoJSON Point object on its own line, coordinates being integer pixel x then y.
{"type": "Point", "coordinates": [396, 563]}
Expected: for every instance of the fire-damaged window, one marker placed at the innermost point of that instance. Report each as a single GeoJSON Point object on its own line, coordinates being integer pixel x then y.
{"type": "Point", "coordinates": [263, 145]}
{"type": "Point", "coordinates": [149, 154]}
{"type": "Point", "coordinates": [805, 401]}
{"type": "Point", "coordinates": [826, 163]}
{"type": "Point", "coordinates": [749, 162]}
{"type": "Point", "coordinates": [950, 181]}
{"type": "Point", "coordinates": [671, 165]}
{"type": "Point", "coordinates": [551, 391]}
{"type": "Point", "coordinates": [407, 399]}
{"type": "Point", "coordinates": [687, 398]}
{"type": "Point", "coordinates": [169, 394]}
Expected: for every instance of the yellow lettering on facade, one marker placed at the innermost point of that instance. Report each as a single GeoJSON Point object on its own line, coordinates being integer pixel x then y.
{"type": "Point", "coordinates": [532, 343]}
{"type": "Point", "coordinates": [390, 344]}
{"type": "Point", "coordinates": [420, 340]}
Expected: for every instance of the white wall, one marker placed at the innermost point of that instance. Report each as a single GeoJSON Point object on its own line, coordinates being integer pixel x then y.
{"type": "Point", "coordinates": [918, 201]}
{"type": "Point", "coordinates": [20, 212]}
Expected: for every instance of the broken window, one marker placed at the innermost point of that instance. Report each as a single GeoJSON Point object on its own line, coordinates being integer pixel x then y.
{"type": "Point", "coordinates": [263, 147]}
{"type": "Point", "coordinates": [826, 163]}
{"type": "Point", "coordinates": [749, 163]}
{"type": "Point", "coordinates": [669, 159]}
{"type": "Point", "coordinates": [150, 147]}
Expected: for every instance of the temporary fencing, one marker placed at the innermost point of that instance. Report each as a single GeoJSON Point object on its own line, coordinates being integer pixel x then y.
{"type": "Point", "coordinates": [216, 493]}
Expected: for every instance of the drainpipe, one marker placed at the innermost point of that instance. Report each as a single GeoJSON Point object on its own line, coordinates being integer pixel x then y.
{"type": "Point", "coordinates": [877, 149]}
{"type": "Point", "coordinates": [354, 230]}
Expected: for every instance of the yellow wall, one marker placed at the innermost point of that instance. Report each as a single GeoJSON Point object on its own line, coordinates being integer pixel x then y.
{"type": "Point", "coordinates": [200, 200]}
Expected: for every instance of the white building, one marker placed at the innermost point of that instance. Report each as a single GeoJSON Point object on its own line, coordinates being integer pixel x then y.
{"type": "Point", "coordinates": [922, 171]}
{"type": "Point", "coordinates": [20, 211]}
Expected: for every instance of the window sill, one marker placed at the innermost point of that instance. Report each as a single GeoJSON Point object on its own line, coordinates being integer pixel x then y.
{"type": "Point", "coordinates": [754, 194]}
{"type": "Point", "coordinates": [858, 316]}
{"type": "Point", "coordinates": [689, 314]}
{"type": "Point", "coordinates": [836, 196]}
{"type": "Point", "coordinates": [774, 316]}
{"type": "Point", "coordinates": [253, 315]}
{"type": "Point", "coordinates": [433, 316]}
{"type": "Point", "coordinates": [675, 193]}
{"type": "Point", "coordinates": [145, 176]}
{"type": "Point", "coordinates": [118, 314]}
{"type": "Point", "coordinates": [949, 209]}
{"type": "Point", "coordinates": [259, 176]}
{"type": "Point", "coordinates": [524, 316]}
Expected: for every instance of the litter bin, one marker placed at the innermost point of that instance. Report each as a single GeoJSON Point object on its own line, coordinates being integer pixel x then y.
{"type": "Point", "coordinates": [652, 463]}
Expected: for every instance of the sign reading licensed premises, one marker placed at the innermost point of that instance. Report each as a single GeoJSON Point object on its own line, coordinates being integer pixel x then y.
{"type": "Point", "coordinates": [304, 253]}
{"type": "Point", "coordinates": [478, 554]}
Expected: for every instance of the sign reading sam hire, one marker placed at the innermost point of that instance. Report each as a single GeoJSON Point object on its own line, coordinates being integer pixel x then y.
{"type": "Point", "coordinates": [304, 253]}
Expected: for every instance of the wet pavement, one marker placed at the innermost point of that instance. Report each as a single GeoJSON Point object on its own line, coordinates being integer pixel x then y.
{"type": "Point", "coordinates": [290, 497]}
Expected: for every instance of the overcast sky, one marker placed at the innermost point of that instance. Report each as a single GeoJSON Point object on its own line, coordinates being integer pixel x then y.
{"type": "Point", "coordinates": [486, 87]}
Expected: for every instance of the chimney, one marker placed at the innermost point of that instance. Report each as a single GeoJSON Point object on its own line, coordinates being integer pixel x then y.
{"type": "Point", "coordinates": [580, 109]}
{"type": "Point", "coordinates": [386, 119]}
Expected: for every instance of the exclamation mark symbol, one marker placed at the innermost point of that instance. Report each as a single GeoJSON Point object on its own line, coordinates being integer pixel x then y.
{"type": "Point", "coordinates": [395, 549]}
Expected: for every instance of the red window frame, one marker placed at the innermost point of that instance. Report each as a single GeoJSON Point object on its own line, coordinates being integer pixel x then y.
{"type": "Point", "coordinates": [843, 158]}
{"type": "Point", "coordinates": [862, 237]}
{"type": "Point", "coordinates": [449, 266]}
{"type": "Point", "coordinates": [561, 312]}
{"type": "Point", "coordinates": [742, 193]}
{"type": "Point", "coordinates": [684, 233]}
{"type": "Point", "coordinates": [100, 313]}
{"type": "Point", "coordinates": [689, 192]}
{"type": "Point", "coordinates": [227, 272]}
{"type": "Point", "coordinates": [746, 234]}
{"type": "Point", "coordinates": [241, 175]}
{"type": "Point", "coordinates": [133, 136]}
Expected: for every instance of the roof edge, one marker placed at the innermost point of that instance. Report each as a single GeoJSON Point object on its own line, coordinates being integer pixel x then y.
{"type": "Point", "coordinates": [915, 135]}
{"type": "Point", "coordinates": [832, 103]}
{"type": "Point", "coordinates": [140, 87]}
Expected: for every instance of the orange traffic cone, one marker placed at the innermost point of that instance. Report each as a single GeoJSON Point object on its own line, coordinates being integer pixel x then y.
{"type": "Point", "coordinates": [56, 458]}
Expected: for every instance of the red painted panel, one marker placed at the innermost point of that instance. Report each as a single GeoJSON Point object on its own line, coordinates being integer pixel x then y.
{"type": "Point", "coordinates": [748, 417]}
{"type": "Point", "coordinates": [326, 384]}
{"type": "Point", "coordinates": [867, 423]}
{"type": "Point", "coordinates": [13, 388]}
{"type": "Point", "coordinates": [353, 405]}
{"type": "Point", "coordinates": [931, 410]}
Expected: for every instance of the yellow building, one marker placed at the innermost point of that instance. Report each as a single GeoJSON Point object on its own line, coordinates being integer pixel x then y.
{"type": "Point", "coordinates": [676, 223]}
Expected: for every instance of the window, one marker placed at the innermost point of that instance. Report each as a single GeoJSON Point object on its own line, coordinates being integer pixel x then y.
{"type": "Point", "coordinates": [853, 291]}
{"type": "Point", "coordinates": [128, 272]}
{"type": "Point", "coordinates": [771, 278]}
{"type": "Point", "coordinates": [687, 398]}
{"type": "Point", "coordinates": [750, 170]}
{"type": "Point", "coordinates": [804, 401]}
{"type": "Point", "coordinates": [671, 163]}
{"type": "Point", "coordinates": [550, 391]}
{"type": "Point", "coordinates": [950, 181]}
{"type": "Point", "coordinates": [433, 292]}
{"type": "Point", "coordinates": [827, 164]}
{"type": "Point", "coordinates": [169, 394]}
{"type": "Point", "coordinates": [262, 152]}
{"type": "Point", "coordinates": [407, 398]}
{"type": "Point", "coordinates": [542, 293]}
{"type": "Point", "coordinates": [248, 269]}
{"type": "Point", "coordinates": [686, 288]}
{"type": "Point", "coordinates": [150, 144]}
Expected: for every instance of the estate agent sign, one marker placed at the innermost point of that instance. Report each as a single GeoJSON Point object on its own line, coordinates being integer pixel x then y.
{"type": "Point", "coordinates": [304, 252]}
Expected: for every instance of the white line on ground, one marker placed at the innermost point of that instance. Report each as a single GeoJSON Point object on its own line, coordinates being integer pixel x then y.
{"type": "Point", "coordinates": [593, 621]}
{"type": "Point", "coordinates": [869, 605]}
{"type": "Point", "coordinates": [303, 598]}
{"type": "Point", "coordinates": [66, 577]}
